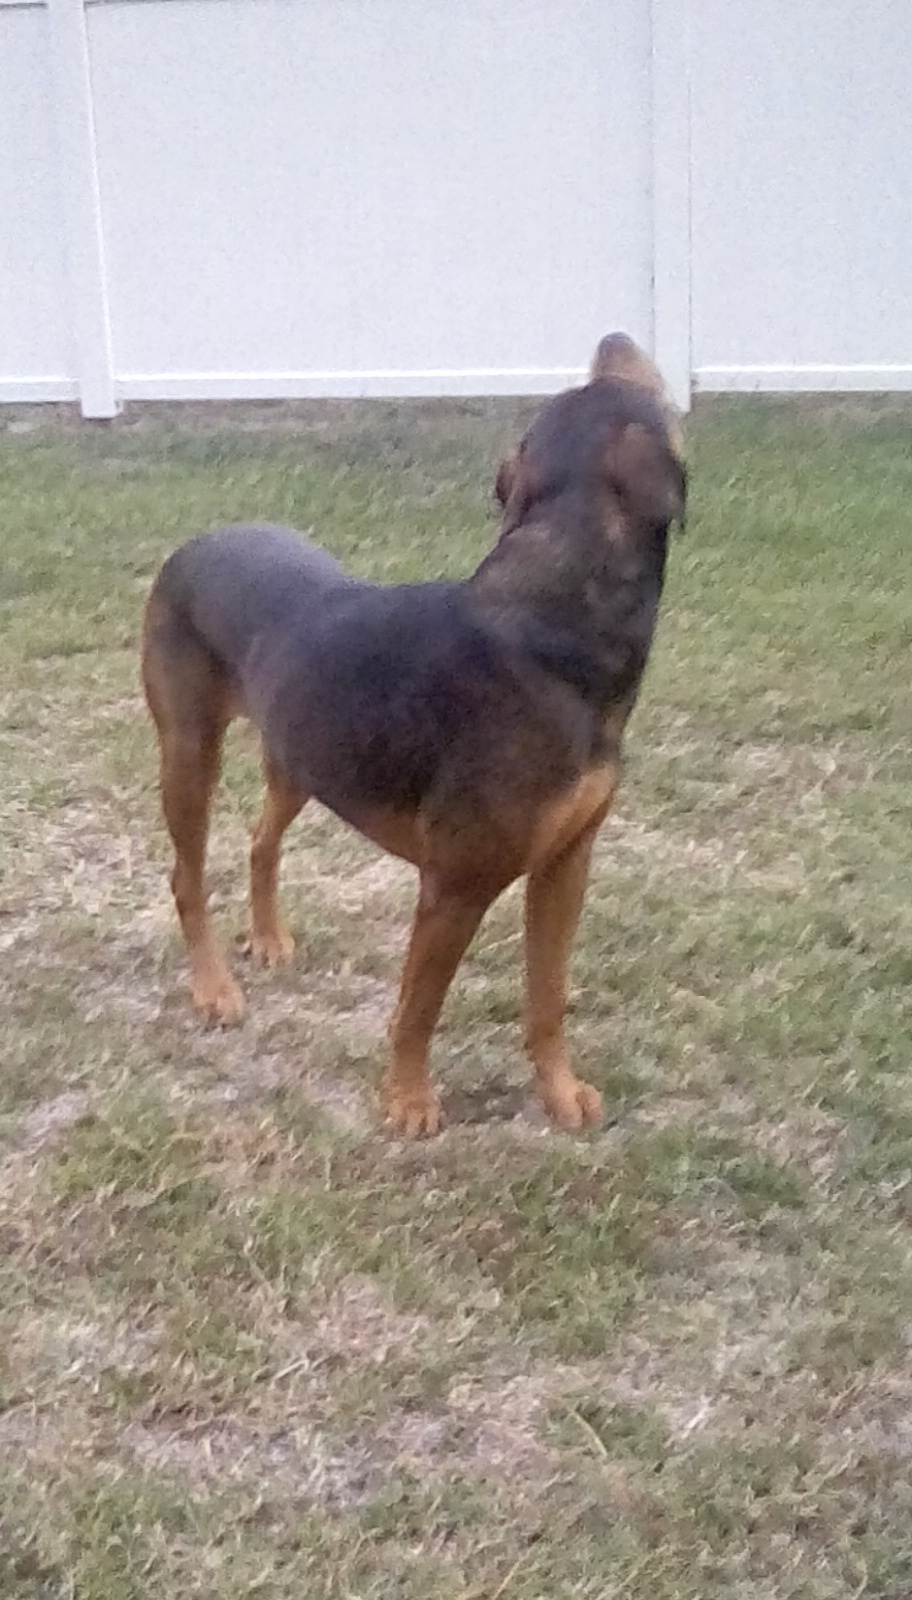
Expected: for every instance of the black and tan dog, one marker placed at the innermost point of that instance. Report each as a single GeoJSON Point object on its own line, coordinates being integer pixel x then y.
{"type": "Point", "coordinates": [472, 728]}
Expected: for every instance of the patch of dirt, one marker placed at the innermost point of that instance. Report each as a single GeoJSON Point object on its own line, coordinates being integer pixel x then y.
{"type": "Point", "coordinates": [86, 859]}
{"type": "Point", "coordinates": [35, 1439]}
{"type": "Point", "coordinates": [808, 770]}
{"type": "Point", "coordinates": [342, 1104]}
{"type": "Point", "coordinates": [82, 1346]}
{"type": "Point", "coordinates": [359, 1323]}
{"type": "Point", "coordinates": [809, 1136]}
{"type": "Point", "coordinates": [301, 1463]}
{"type": "Point", "coordinates": [726, 856]}
{"type": "Point", "coordinates": [478, 1429]}
{"type": "Point", "coordinates": [45, 1119]}
{"type": "Point", "coordinates": [33, 1130]}
{"type": "Point", "coordinates": [385, 880]}
{"type": "Point", "coordinates": [495, 1100]}
{"type": "Point", "coordinates": [17, 928]}
{"type": "Point", "coordinates": [500, 1423]}
{"type": "Point", "coordinates": [689, 855]}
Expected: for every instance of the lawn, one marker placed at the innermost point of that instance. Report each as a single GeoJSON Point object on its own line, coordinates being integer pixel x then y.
{"type": "Point", "coordinates": [250, 1345]}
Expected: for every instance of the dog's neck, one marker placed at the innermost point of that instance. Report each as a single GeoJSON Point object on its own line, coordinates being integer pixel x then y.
{"type": "Point", "coordinates": [583, 604]}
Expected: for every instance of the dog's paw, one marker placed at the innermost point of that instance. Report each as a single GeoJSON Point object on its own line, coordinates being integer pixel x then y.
{"type": "Point", "coordinates": [219, 999]}
{"type": "Point", "coordinates": [572, 1103]}
{"type": "Point", "coordinates": [272, 947]}
{"type": "Point", "coordinates": [412, 1112]}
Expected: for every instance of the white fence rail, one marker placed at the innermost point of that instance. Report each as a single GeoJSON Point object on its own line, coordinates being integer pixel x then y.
{"type": "Point", "coordinates": [255, 198]}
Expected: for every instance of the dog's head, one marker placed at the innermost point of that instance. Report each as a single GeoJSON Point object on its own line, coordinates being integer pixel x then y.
{"type": "Point", "coordinates": [614, 445]}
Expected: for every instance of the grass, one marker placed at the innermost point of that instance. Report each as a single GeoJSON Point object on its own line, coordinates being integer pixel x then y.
{"type": "Point", "coordinates": [251, 1345]}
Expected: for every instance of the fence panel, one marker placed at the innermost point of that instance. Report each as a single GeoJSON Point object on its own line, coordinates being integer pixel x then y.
{"type": "Point", "coordinates": [352, 197]}
{"type": "Point", "coordinates": [36, 349]}
{"type": "Point", "coordinates": [801, 191]}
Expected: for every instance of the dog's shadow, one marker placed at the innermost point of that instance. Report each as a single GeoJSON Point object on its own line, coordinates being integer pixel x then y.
{"type": "Point", "coordinates": [495, 1100]}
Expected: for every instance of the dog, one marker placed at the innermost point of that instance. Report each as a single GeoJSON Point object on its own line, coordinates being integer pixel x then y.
{"type": "Point", "coordinates": [472, 728]}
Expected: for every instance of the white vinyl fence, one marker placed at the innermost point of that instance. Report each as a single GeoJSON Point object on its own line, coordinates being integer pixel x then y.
{"type": "Point", "coordinates": [255, 198]}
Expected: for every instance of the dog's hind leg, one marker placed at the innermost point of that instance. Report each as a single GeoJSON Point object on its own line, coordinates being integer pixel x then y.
{"type": "Point", "coordinates": [190, 702]}
{"type": "Point", "coordinates": [554, 899]}
{"type": "Point", "coordinates": [190, 766]}
{"type": "Point", "coordinates": [270, 941]}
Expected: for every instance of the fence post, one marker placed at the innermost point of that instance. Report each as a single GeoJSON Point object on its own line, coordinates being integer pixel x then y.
{"type": "Point", "coordinates": [671, 194]}
{"type": "Point", "coordinates": [81, 207]}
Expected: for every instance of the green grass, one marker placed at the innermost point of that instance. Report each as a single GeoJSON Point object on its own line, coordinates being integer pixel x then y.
{"type": "Point", "coordinates": [251, 1346]}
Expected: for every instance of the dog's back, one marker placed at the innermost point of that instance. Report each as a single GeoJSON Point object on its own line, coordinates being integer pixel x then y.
{"type": "Point", "coordinates": [238, 582]}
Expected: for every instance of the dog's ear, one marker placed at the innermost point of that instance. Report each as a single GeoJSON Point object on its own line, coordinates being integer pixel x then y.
{"type": "Point", "coordinates": [506, 477]}
{"type": "Point", "coordinates": [514, 488]}
{"type": "Point", "coordinates": [649, 475]}
{"type": "Point", "coordinates": [618, 357]}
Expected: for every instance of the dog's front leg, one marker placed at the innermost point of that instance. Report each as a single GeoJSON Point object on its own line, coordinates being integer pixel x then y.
{"type": "Point", "coordinates": [445, 920]}
{"type": "Point", "coordinates": [554, 899]}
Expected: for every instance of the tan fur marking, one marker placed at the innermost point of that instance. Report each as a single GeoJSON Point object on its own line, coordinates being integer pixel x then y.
{"type": "Point", "coordinates": [564, 819]}
{"type": "Point", "coordinates": [617, 356]}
